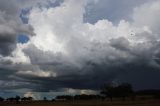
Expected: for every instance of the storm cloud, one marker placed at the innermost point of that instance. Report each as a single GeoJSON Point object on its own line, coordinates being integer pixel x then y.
{"type": "Point", "coordinates": [69, 48]}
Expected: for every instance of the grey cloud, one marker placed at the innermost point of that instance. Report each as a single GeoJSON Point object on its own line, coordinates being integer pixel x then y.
{"type": "Point", "coordinates": [92, 75]}
{"type": "Point", "coordinates": [98, 75]}
{"type": "Point", "coordinates": [10, 27]}
{"type": "Point", "coordinates": [120, 43]}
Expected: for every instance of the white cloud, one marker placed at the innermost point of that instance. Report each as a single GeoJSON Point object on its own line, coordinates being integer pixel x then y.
{"type": "Point", "coordinates": [38, 73]}
{"type": "Point", "coordinates": [79, 91]}
{"type": "Point", "coordinates": [35, 96]}
{"type": "Point", "coordinates": [147, 15]}
{"type": "Point", "coordinates": [18, 56]}
{"type": "Point", "coordinates": [61, 30]}
{"type": "Point", "coordinates": [54, 26]}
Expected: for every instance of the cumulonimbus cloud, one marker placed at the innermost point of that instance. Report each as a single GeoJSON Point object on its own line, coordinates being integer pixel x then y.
{"type": "Point", "coordinates": [67, 52]}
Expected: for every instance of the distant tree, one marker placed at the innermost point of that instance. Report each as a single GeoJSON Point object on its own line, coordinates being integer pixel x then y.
{"type": "Point", "coordinates": [23, 99]}
{"type": "Point", "coordinates": [1, 99]}
{"type": "Point", "coordinates": [17, 99]}
{"type": "Point", "coordinates": [82, 97]}
{"type": "Point", "coordinates": [155, 93]}
{"type": "Point", "coordinates": [53, 100]}
{"type": "Point", "coordinates": [27, 99]}
{"type": "Point", "coordinates": [86, 97]}
{"type": "Point", "coordinates": [122, 90]}
{"type": "Point", "coordinates": [12, 99]}
{"type": "Point", "coordinates": [64, 97]}
{"type": "Point", "coordinates": [108, 91]}
{"type": "Point", "coordinates": [45, 98]}
{"type": "Point", "coordinates": [30, 98]}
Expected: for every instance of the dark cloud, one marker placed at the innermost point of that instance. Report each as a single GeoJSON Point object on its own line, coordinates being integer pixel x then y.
{"type": "Point", "coordinates": [140, 75]}
{"type": "Point", "coordinates": [10, 26]}
{"type": "Point", "coordinates": [120, 43]}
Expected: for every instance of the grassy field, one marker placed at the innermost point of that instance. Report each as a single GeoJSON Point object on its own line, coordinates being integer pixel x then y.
{"type": "Point", "coordinates": [88, 103]}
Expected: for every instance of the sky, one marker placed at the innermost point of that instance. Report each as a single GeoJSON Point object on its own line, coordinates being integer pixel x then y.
{"type": "Point", "coordinates": [52, 47]}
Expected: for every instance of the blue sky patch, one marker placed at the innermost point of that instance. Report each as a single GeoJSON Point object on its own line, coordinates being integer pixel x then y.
{"type": "Point", "coordinates": [23, 38]}
{"type": "Point", "coordinates": [23, 15]}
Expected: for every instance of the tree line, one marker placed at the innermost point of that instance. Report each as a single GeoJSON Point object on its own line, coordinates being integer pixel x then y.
{"type": "Point", "coordinates": [107, 91]}
{"type": "Point", "coordinates": [16, 99]}
{"type": "Point", "coordinates": [110, 91]}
